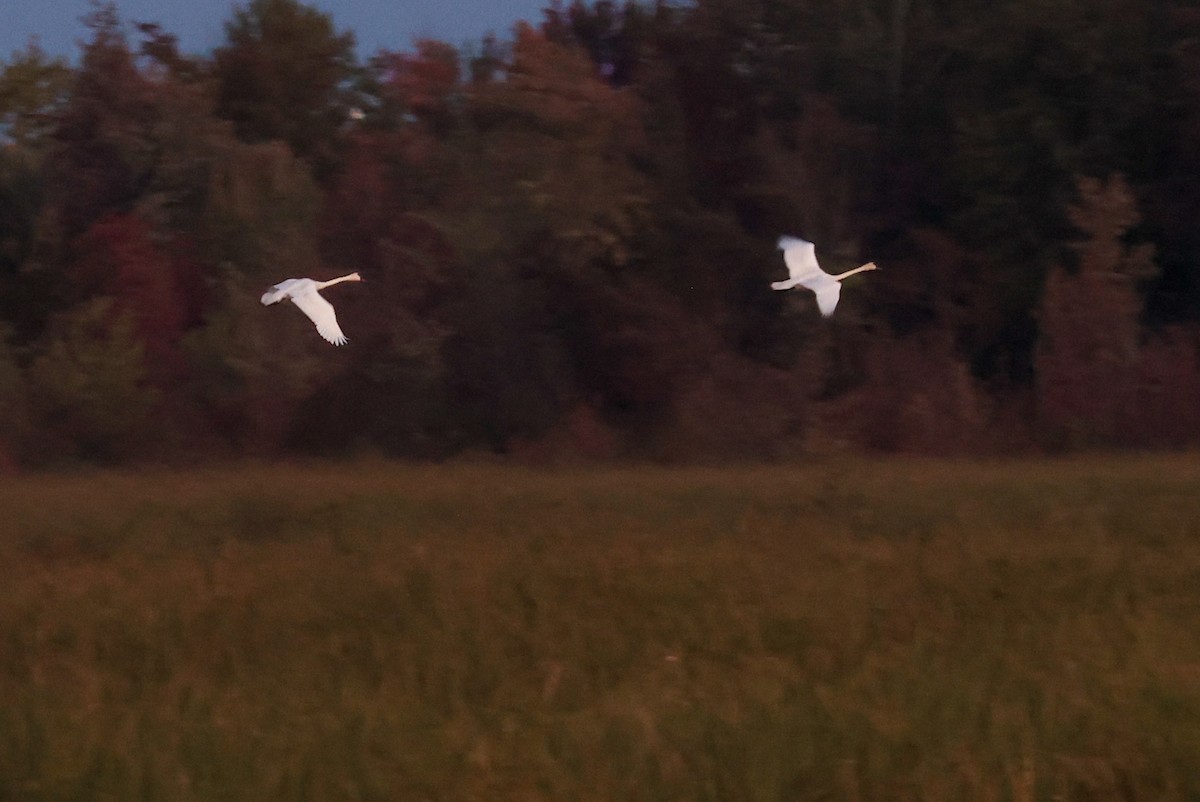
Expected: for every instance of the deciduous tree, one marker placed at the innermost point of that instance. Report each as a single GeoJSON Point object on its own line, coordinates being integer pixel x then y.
{"type": "Point", "coordinates": [32, 87]}
{"type": "Point", "coordinates": [1090, 321]}
{"type": "Point", "coordinates": [281, 74]}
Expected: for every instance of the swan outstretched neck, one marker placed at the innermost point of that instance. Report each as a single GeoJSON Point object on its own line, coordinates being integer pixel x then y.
{"type": "Point", "coordinates": [859, 269]}
{"type": "Point", "coordinates": [351, 277]}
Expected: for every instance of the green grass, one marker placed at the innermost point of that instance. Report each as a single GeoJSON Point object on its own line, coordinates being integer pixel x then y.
{"type": "Point", "coordinates": [857, 631]}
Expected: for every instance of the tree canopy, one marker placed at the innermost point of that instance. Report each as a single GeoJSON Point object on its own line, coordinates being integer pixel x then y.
{"type": "Point", "coordinates": [567, 236]}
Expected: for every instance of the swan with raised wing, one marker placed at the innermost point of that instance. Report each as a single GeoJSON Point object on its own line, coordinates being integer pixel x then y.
{"type": "Point", "coordinates": [800, 256]}
{"type": "Point", "coordinates": [305, 293]}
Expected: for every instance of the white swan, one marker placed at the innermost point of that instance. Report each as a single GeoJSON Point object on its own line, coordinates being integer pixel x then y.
{"type": "Point", "coordinates": [304, 293]}
{"type": "Point", "coordinates": [801, 259]}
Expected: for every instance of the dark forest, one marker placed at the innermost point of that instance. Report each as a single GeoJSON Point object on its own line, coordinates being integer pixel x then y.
{"type": "Point", "coordinates": [567, 235]}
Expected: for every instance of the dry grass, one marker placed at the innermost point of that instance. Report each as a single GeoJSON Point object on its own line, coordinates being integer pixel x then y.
{"type": "Point", "coordinates": [859, 631]}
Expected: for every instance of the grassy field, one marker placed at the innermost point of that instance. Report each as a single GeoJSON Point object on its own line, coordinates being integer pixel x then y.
{"type": "Point", "coordinates": [841, 631]}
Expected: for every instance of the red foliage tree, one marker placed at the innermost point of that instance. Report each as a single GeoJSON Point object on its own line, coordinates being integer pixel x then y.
{"type": "Point", "coordinates": [151, 279]}
{"type": "Point", "coordinates": [422, 84]}
{"type": "Point", "coordinates": [1166, 405]}
{"type": "Point", "coordinates": [1087, 358]}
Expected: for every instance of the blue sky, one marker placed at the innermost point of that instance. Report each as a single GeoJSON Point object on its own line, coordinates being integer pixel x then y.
{"type": "Point", "coordinates": [199, 23]}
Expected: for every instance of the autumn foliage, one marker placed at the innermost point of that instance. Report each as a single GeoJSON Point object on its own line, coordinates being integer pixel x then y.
{"type": "Point", "coordinates": [567, 235]}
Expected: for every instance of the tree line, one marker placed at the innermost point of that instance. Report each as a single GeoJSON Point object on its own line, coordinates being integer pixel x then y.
{"type": "Point", "coordinates": [567, 236]}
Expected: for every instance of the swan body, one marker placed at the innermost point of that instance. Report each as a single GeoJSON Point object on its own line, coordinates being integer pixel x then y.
{"type": "Point", "coordinates": [800, 256]}
{"type": "Point", "coordinates": [305, 293]}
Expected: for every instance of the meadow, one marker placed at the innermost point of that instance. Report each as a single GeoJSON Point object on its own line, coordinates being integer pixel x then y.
{"type": "Point", "coordinates": [845, 630]}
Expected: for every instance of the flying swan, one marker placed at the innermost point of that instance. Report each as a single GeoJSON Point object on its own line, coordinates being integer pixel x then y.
{"type": "Point", "coordinates": [305, 293]}
{"type": "Point", "coordinates": [801, 258]}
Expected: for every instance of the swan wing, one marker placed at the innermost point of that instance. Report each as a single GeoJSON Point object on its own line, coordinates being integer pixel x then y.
{"type": "Point", "coordinates": [280, 291]}
{"type": "Point", "coordinates": [800, 256]}
{"type": "Point", "coordinates": [827, 297]}
{"type": "Point", "coordinates": [321, 313]}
